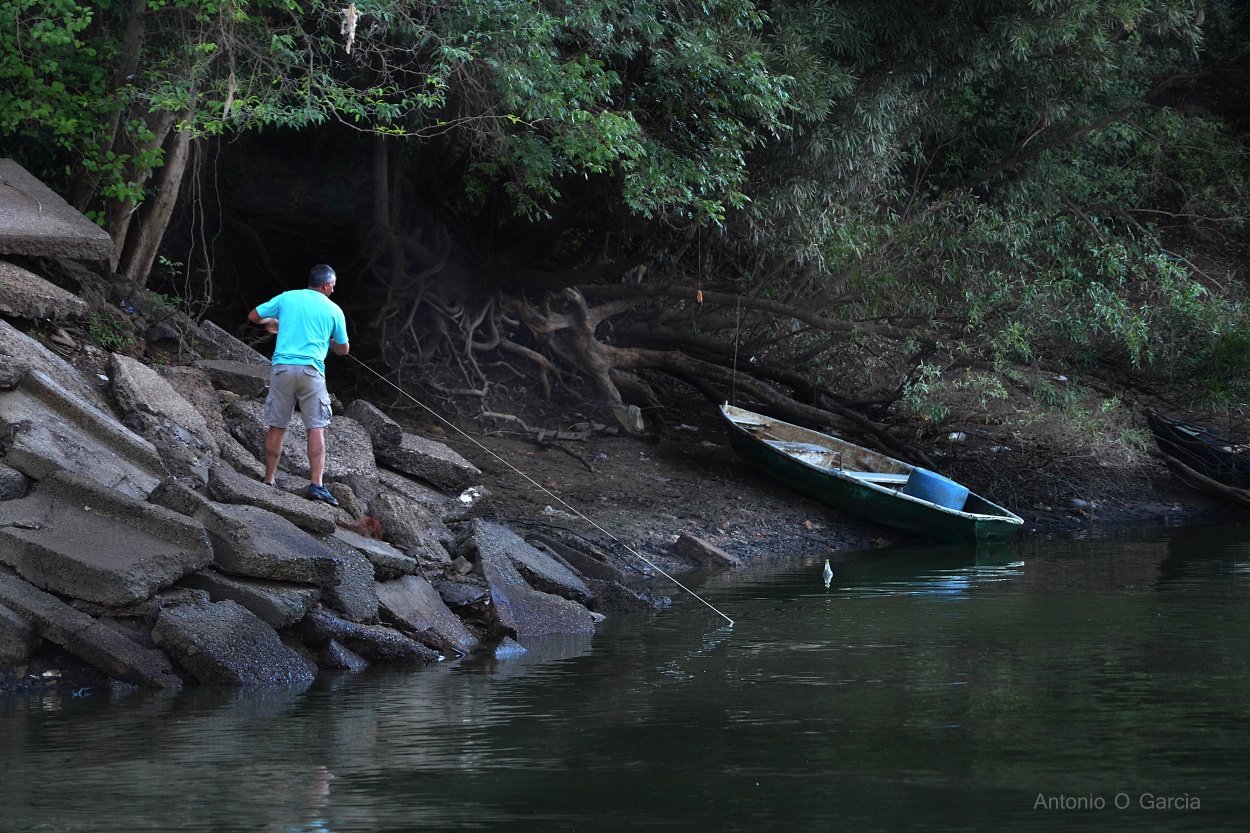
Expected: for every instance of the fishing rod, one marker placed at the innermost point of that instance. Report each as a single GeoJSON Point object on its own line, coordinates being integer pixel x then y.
{"type": "Point", "coordinates": [542, 488]}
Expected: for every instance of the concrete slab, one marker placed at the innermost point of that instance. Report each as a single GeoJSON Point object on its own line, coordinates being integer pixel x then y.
{"type": "Point", "coordinates": [412, 528]}
{"type": "Point", "coordinates": [520, 610]}
{"type": "Point", "coordinates": [23, 294]}
{"type": "Point", "coordinates": [243, 378]}
{"type": "Point", "coordinates": [334, 657]}
{"type": "Point", "coordinates": [220, 344]}
{"type": "Point", "coordinates": [414, 603]}
{"type": "Point", "coordinates": [35, 221]}
{"type": "Point", "coordinates": [71, 538]}
{"type": "Point", "coordinates": [704, 552]}
{"type": "Point", "coordinates": [13, 484]}
{"type": "Point", "coordinates": [84, 637]}
{"type": "Point", "coordinates": [226, 644]}
{"type": "Point", "coordinates": [248, 541]}
{"type": "Point", "coordinates": [540, 570]}
{"type": "Point", "coordinates": [33, 355]}
{"type": "Point", "coordinates": [384, 431]}
{"type": "Point", "coordinates": [277, 603]}
{"type": "Point", "coordinates": [431, 461]}
{"type": "Point", "coordinates": [356, 596]}
{"type": "Point", "coordinates": [375, 643]}
{"type": "Point", "coordinates": [53, 429]}
{"type": "Point", "coordinates": [388, 562]}
{"type": "Point", "coordinates": [228, 486]}
{"type": "Point", "coordinates": [137, 387]}
{"type": "Point", "coordinates": [414, 490]}
{"type": "Point", "coordinates": [18, 637]}
{"type": "Point", "coordinates": [349, 451]}
{"type": "Point", "coordinates": [586, 564]}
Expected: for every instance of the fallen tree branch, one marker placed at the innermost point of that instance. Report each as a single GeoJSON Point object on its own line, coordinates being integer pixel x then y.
{"type": "Point", "coordinates": [1200, 481]}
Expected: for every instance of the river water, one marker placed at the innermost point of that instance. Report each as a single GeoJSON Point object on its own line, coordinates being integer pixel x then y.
{"type": "Point", "coordinates": [1096, 683]}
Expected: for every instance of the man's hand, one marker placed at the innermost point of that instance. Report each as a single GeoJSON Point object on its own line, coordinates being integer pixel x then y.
{"type": "Point", "coordinates": [270, 324]}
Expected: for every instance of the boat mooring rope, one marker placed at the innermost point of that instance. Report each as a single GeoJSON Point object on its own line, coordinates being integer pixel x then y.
{"type": "Point", "coordinates": [552, 495]}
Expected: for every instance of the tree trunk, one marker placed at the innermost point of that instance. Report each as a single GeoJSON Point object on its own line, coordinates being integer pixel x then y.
{"type": "Point", "coordinates": [122, 212]}
{"type": "Point", "coordinates": [143, 243]}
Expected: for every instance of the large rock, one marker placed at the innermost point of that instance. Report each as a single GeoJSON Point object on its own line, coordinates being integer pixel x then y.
{"type": "Point", "coordinates": [23, 349]}
{"type": "Point", "coordinates": [384, 431]}
{"type": "Point", "coordinates": [23, 294]}
{"type": "Point", "coordinates": [412, 528]}
{"type": "Point", "coordinates": [228, 486]}
{"type": "Point", "coordinates": [213, 340]}
{"type": "Point", "coordinates": [73, 537]}
{"type": "Point", "coordinates": [520, 610]}
{"type": "Point", "coordinates": [431, 461]}
{"type": "Point", "coordinates": [34, 220]}
{"type": "Point", "coordinates": [540, 570]}
{"type": "Point", "coordinates": [226, 644]}
{"type": "Point", "coordinates": [388, 562]}
{"type": "Point", "coordinates": [413, 490]}
{"type": "Point", "coordinates": [195, 387]}
{"type": "Point", "coordinates": [53, 429]}
{"type": "Point", "coordinates": [356, 596]}
{"type": "Point", "coordinates": [13, 484]}
{"type": "Point", "coordinates": [248, 541]}
{"type": "Point", "coordinates": [704, 552]}
{"type": "Point", "coordinates": [415, 604]}
{"type": "Point", "coordinates": [139, 388]}
{"type": "Point", "coordinates": [18, 637]}
{"type": "Point", "coordinates": [587, 565]}
{"type": "Point", "coordinates": [375, 643]}
{"type": "Point", "coordinates": [242, 378]}
{"type": "Point", "coordinates": [94, 642]}
{"type": "Point", "coordinates": [277, 603]}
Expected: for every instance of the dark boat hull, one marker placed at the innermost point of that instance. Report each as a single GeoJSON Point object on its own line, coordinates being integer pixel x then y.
{"type": "Point", "coordinates": [1205, 450]}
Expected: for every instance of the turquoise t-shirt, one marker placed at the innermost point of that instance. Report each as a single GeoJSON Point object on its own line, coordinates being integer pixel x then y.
{"type": "Point", "coordinates": [307, 321]}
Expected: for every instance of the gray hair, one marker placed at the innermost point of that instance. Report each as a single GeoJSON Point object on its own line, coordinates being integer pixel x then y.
{"type": "Point", "coordinates": [320, 275]}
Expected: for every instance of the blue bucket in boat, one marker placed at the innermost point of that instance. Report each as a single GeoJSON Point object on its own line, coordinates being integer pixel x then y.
{"type": "Point", "coordinates": [935, 488]}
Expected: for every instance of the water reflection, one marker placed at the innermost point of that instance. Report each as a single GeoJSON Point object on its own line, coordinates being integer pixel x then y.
{"type": "Point", "coordinates": [929, 688]}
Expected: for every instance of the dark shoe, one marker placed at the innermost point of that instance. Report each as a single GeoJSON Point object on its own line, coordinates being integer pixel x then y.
{"type": "Point", "coordinates": [321, 493]}
{"type": "Point", "coordinates": [269, 485]}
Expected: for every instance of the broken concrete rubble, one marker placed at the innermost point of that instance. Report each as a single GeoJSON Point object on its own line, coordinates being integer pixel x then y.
{"type": "Point", "coordinates": [278, 603]}
{"type": "Point", "coordinates": [432, 462]}
{"type": "Point", "coordinates": [73, 537]}
{"type": "Point", "coordinates": [153, 552]}
{"type": "Point", "coordinates": [86, 637]}
{"type": "Point", "coordinates": [413, 602]}
{"type": "Point", "coordinates": [248, 541]}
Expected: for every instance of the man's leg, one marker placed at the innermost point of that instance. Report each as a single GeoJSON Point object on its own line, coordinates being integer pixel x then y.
{"type": "Point", "coordinates": [273, 451]}
{"type": "Point", "coordinates": [316, 454]}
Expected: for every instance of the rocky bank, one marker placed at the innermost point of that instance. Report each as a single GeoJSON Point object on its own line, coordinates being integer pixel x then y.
{"type": "Point", "coordinates": [138, 546]}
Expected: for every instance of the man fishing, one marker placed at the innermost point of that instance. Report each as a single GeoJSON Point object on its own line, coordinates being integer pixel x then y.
{"type": "Point", "coordinates": [310, 326]}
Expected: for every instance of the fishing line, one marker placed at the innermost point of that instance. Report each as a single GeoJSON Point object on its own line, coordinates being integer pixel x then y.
{"type": "Point", "coordinates": [542, 488]}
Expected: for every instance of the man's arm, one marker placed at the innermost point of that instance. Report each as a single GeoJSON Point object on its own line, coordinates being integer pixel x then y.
{"type": "Point", "coordinates": [270, 324]}
{"type": "Point", "coordinates": [339, 349]}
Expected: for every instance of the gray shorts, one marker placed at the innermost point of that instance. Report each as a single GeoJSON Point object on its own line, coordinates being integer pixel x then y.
{"type": "Point", "coordinates": [291, 383]}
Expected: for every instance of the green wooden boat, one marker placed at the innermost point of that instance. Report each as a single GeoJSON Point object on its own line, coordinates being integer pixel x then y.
{"type": "Point", "coordinates": [866, 483]}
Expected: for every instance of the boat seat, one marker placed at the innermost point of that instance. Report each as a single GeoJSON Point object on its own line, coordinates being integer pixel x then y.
{"type": "Point", "coordinates": [791, 447]}
{"type": "Point", "coordinates": [880, 478]}
{"type": "Point", "coordinates": [810, 453]}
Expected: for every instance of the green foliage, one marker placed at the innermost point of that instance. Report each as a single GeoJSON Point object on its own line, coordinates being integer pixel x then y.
{"type": "Point", "coordinates": [660, 99]}
{"type": "Point", "coordinates": [1005, 182]}
{"type": "Point", "coordinates": [107, 331]}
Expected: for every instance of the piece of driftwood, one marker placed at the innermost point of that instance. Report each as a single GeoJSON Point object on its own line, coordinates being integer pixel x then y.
{"type": "Point", "coordinates": [1201, 482]}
